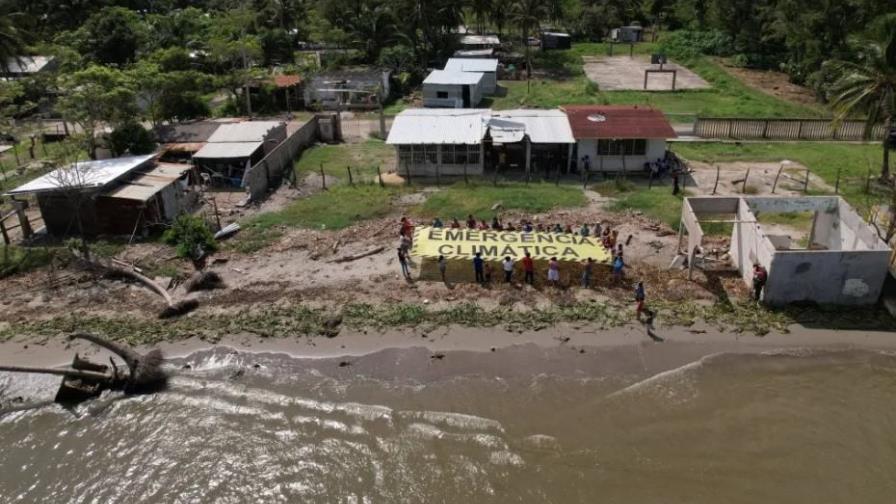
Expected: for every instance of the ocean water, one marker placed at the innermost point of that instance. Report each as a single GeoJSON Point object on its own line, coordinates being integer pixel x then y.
{"type": "Point", "coordinates": [519, 425]}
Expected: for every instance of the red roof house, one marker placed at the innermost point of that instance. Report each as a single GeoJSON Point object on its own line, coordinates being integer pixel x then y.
{"type": "Point", "coordinates": [617, 121]}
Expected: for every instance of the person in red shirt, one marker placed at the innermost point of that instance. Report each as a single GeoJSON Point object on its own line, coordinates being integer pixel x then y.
{"type": "Point", "coordinates": [760, 277]}
{"type": "Point", "coordinates": [529, 268]}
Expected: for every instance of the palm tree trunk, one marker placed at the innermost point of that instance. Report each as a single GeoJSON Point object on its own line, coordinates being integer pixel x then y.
{"type": "Point", "coordinates": [885, 166]}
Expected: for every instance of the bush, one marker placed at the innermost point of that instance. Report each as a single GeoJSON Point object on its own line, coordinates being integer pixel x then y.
{"type": "Point", "coordinates": [190, 235]}
{"type": "Point", "coordinates": [131, 137]}
{"type": "Point", "coordinates": [683, 44]}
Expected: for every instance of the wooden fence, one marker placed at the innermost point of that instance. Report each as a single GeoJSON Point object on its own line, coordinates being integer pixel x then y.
{"type": "Point", "coordinates": [783, 129]}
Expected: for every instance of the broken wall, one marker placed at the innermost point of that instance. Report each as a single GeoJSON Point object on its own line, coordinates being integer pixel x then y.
{"type": "Point", "coordinates": [826, 277]}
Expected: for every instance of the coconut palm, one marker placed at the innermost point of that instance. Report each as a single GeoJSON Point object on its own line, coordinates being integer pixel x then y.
{"type": "Point", "coordinates": [868, 86]}
{"type": "Point", "coordinates": [527, 14]}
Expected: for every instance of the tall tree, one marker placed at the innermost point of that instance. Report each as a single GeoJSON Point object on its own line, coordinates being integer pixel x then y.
{"type": "Point", "coordinates": [12, 38]}
{"type": "Point", "coordinates": [868, 86]}
{"type": "Point", "coordinates": [94, 97]}
{"type": "Point", "coordinates": [528, 15]}
{"type": "Point", "coordinates": [112, 36]}
{"type": "Point", "coordinates": [481, 10]}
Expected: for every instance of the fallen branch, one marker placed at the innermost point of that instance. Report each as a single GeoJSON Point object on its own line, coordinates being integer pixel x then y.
{"type": "Point", "coordinates": [362, 255]}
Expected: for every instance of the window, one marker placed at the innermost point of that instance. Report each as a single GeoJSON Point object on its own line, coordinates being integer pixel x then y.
{"type": "Point", "coordinates": [418, 154]}
{"type": "Point", "coordinates": [404, 154]}
{"type": "Point", "coordinates": [473, 154]}
{"type": "Point", "coordinates": [442, 94]}
{"type": "Point", "coordinates": [432, 153]}
{"type": "Point", "coordinates": [628, 147]}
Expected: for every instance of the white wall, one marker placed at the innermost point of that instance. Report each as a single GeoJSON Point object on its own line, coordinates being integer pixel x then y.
{"type": "Point", "coordinates": [489, 83]}
{"type": "Point", "coordinates": [455, 95]}
{"type": "Point", "coordinates": [656, 148]}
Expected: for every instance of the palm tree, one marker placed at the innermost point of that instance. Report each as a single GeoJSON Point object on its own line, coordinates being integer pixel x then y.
{"type": "Point", "coordinates": [481, 9]}
{"type": "Point", "coordinates": [868, 87]}
{"type": "Point", "coordinates": [528, 14]}
{"type": "Point", "coordinates": [12, 38]}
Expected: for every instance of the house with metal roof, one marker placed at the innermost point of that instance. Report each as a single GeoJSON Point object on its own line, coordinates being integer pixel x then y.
{"type": "Point", "coordinates": [234, 148]}
{"type": "Point", "coordinates": [450, 142]}
{"type": "Point", "coordinates": [618, 137]}
{"type": "Point", "coordinates": [472, 42]}
{"type": "Point", "coordinates": [26, 66]}
{"type": "Point", "coordinates": [116, 196]}
{"type": "Point", "coordinates": [488, 67]}
{"type": "Point", "coordinates": [453, 89]}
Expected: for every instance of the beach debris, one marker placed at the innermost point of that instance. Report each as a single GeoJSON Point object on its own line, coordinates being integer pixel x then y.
{"type": "Point", "coordinates": [330, 326]}
{"type": "Point", "coordinates": [355, 257]}
{"type": "Point", "coordinates": [437, 356]}
{"type": "Point", "coordinates": [204, 280]}
{"type": "Point", "coordinates": [85, 379]}
{"type": "Point", "coordinates": [227, 231]}
{"type": "Point", "coordinates": [344, 363]}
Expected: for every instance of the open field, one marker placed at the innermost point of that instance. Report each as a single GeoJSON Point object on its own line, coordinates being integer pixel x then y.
{"type": "Point", "coordinates": [459, 200]}
{"type": "Point", "coordinates": [362, 157]}
{"type": "Point", "coordinates": [622, 73]}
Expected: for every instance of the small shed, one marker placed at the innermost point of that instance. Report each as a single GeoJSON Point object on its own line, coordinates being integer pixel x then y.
{"type": "Point", "coordinates": [323, 90]}
{"type": "Point", "coordinates": [555, 40]}
{"type": "Point", "coordinates": [234, 148]}
{"type": "Point", "coordinates": [472, 42]}
{"type": "Point", "coordinates": [488, 67]}
{"type": "Point", "coordinates": [435, 142]}
{"type": "Point", "coordinates": [474, 53]}
{"type": "Point", "coordinates": [110, 196]}
{"type": "Point", "coordinates": [453, 89]}
{"type": "Point", "coordinates": [618, 137]}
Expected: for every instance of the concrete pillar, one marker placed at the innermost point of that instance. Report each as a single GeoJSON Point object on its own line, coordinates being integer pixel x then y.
{"type": "Point", "coordinates": [528, 154]}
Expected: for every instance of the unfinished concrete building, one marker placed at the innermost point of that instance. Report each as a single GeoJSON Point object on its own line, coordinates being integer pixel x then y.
{"type": "Point", "coordinates": [841, 261]}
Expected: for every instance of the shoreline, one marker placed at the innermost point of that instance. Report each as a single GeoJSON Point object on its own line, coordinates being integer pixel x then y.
{"type": "Point", "coordinates": [358, 343]}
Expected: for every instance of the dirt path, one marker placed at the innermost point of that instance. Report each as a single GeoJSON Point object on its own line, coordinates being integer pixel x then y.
{"type": "Point", "coordinates": [773, 83]}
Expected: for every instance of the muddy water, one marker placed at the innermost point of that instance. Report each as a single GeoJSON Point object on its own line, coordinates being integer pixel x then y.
{"type": "Point", "coordinates": [518, 425]}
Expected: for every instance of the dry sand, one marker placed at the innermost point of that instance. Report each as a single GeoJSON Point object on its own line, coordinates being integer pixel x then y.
{"type": "Point", "coordinates": [617, 73]}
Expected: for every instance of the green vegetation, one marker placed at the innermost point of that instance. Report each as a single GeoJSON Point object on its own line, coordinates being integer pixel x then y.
{"type": "Point", "coordinates": [362, 157]}
{"type": "Point", "coordinates": [336, 208]}
{"type": "Point", "coordinates": [15, 259]}
{"type": "Point", "coordinates": [460, 199]}
{"type": "Point", "coordinates": [190, 234]}
{"type": "Point", "coordinates": [657, 203]}
{"type": "Point", "coordinates": [728, 97]}
{"type": "Point", "coordinates": [855, 161]}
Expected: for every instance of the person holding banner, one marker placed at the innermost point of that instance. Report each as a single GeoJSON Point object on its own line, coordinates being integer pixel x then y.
{"type": "Point", "coordinates": [443, 266]}
{"type": "Point", "coordinates": [587, 270]}
{"type": "Point", "coordinates": [479, 268]}
{"type": "Point", "coordinates": [529, 269]}
{"type": "Point", "coordinates": [554, 272]}
{"type": "Point", "coordinates": [508, 269]}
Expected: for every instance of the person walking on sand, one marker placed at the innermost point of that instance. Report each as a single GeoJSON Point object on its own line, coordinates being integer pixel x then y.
{"type": "Point", "coordinates": [478, 268]}
{"type": "Point", "coordinates": [403, 261]}
{"type": "Point", "coordinates": [508, 269]}
{"type": "Point", "coordinates": [640, 297]}
{"type": "Point", "coordinates": [587, 271]}
{"type": "Point", "coordinates": [443, 266]}
{"type": "Point", "coordinates": [529, 269]}
{"type": "Point", "coordinates": [760, 277]}
{"type": "Point", "coordinates": [554, 272]}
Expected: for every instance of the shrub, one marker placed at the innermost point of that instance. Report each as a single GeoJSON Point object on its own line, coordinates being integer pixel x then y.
{"type": "Point", "coordinates": [190, 234]}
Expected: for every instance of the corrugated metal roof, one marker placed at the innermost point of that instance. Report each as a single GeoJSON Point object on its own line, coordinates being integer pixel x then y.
{"type": "Point", "coordinates": [90, 174]}
{"type": "Point", "coordinates": [617, 121]}
{"type": "Point", "coordinates": [145, 186]}
{"type": "Point", "coordinates": [248, 131]}
{"type": "Point", "coordinates": [285, 81]}
{"type": "Point", "coordinates": [227, 150]}
{"type": "Point", "coordinates": [472, 64]}
{"type": "Point", "coordinates": [27, 64]}
{"type": "Point", "coordinates": [438, 126]}
{"type": "Point", "coordinates": [480, 40]}
{"type": "Point", "coordinates": [542, 126]}
{"type": "Point", "coordinates": [474, 53]}
{"type": "Point", "coordinates": [453, 77]}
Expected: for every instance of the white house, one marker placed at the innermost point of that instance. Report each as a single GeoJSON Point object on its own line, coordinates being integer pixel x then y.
{"type": "Point", "coordinates": [453, 89]}
{"type": "Point", "coordinates": [431, 142]}
{"type": "Point", "coordinates": [488, 67]}
{"type": "Point", "coordinates": [618, 137]}
{"type": "Point", "coordinates": [451, 142]}
{"type": "Point", "coordinates": [472, 42]}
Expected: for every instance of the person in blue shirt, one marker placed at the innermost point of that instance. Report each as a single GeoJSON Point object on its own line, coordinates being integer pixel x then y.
{"type": "Point", "coordinates": [618, 267]}
{"type": "Point", "coordinates": [437, 223]}
{"type": "Point", "coordinates": [479, 267]}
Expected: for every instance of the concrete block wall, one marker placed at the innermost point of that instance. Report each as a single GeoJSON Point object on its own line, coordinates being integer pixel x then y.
{"type": "Point", "coordinates": [268, 173]}
{"type": "Point", "coordinates": [826, 277]}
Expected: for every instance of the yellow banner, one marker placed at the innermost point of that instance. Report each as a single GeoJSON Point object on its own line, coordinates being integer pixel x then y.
{"type": "Point", "coordinates": [495, 245]}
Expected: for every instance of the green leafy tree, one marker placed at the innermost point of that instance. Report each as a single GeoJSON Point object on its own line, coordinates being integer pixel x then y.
{"type": "Point", "coordinates": [130, 137]}
{"type": "Point", "coordinates": [94, 97]}
{"type": "Point", "coordinates": [13, 38]}
{"type": "Point", "coordinates": [112, 36]}
{"type": "Point", "coordinates": [527, 14]}
{"type": "Point", "coordinates": [868, 86]}
{"type": "Point", "coordinates": [189, 235]}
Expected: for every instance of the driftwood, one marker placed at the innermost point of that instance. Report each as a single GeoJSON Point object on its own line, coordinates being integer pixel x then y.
{"type": "Point", "coordinates": [172, 309]}
{"type": "Point", "coordinates": [355, 257]}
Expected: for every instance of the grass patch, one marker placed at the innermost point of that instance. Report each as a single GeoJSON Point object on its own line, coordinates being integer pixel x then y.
{"type": "Point", "coordinates": [362, 157]}
{"type": "Point", "coordinates": [336, 208]}
{"type": "Point", "coordinates": [657, 203]}
{"type": "Point", "coordinates": [15, 259]}
{"type": "Point", "coordinates": [855, 161]}
{"type": "Point", "coordinates": [459, 200]}
{"type": "Point", "coordinates": [728, 97]}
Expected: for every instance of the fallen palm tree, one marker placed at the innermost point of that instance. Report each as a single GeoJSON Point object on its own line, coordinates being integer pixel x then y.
{"type": "Point", "coordinates": [85, 379]}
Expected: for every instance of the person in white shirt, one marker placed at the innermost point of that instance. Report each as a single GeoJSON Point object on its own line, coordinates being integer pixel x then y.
{"type": "Point", "coordinates": [508, 269]}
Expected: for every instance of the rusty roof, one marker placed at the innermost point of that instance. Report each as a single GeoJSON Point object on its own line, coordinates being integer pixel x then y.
{"type": "Point", "coordinates": [617, 121]}
{"type": "Point", "coordinates": [285, 81]}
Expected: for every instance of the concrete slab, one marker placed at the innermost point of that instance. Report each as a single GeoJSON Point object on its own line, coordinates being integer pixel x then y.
{"type": "Point", "coordinates": [617, 73]}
